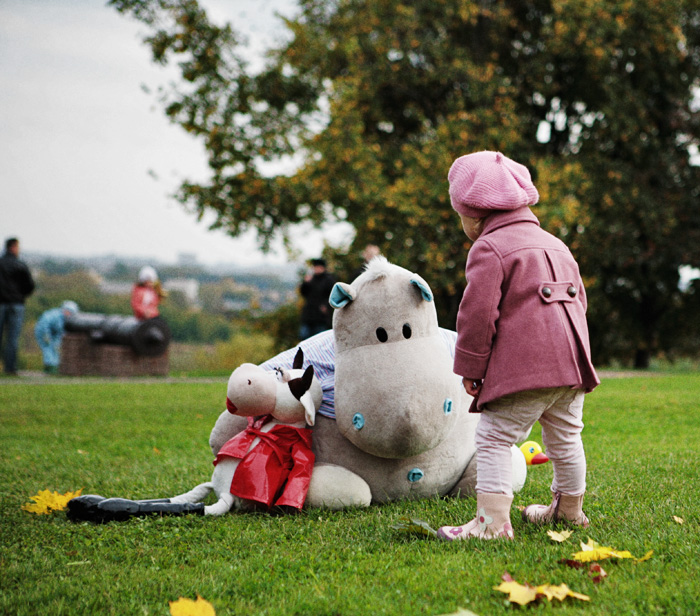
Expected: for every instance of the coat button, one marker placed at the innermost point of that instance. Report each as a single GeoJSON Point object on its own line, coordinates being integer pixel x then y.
{"type": "Point", "coordinates": [546, 291]}
{"type": "Point", "coordinates": [571, 291]}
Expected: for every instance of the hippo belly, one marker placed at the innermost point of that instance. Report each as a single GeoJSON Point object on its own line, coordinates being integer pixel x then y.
{"type": "Point", "coordinates": [433, 472]}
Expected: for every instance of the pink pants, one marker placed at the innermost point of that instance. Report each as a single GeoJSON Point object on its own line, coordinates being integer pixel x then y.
{"type": "Point", "coordinates": [503, 422]}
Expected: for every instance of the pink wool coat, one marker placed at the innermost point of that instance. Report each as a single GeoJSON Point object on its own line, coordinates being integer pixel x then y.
{"type": "Point", "coordinates": [522, 320]}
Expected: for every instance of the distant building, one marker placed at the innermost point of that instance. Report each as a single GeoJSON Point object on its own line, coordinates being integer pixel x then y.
{"type": "Point", "coordinates": [189, 287]}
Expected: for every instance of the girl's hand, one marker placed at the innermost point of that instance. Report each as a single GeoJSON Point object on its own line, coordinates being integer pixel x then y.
{"type": "Point", "coordinates": [472, 386]}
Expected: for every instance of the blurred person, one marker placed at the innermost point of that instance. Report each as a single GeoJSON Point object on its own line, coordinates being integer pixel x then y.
{"type": "Point", "coordinates": [317, 314]}
{"type": "Point", "coordinates": [49, 330]}
{"type": "Point", "coordinates": [370, 251]}
{"type": "Point", "coordinates": [16, 284]}
{"type": "Point", "coordinates": [146, 294]}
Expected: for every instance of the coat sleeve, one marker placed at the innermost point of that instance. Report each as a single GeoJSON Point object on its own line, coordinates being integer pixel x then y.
{"type": "Point", "coordinates": [478, 311]}
{"type": "Point", "coordinates": [299, 477]}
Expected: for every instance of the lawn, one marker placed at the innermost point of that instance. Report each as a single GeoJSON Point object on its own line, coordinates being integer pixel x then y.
{"type": "Point", "coordinates": [143, 440]}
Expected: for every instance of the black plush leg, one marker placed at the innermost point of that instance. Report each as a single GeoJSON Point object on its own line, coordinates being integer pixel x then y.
{"type": "Point", "coordinates": [94, 508]}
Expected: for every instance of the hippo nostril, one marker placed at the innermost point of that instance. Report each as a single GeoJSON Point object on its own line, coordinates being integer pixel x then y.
{"type": "Point", "coordinates": [382, 336]}
{"type": "Point", "coordinates": [406, 331]}
{"type": "Point", "coordinates": [358, 421]}
{"type": "Point", "coordinates": [447, 406]}
{"type": "Point", "coordinates": [415, 474]}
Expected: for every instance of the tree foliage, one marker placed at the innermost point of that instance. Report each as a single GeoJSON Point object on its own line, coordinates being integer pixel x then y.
{"type": "Point", "coordinates": [373, 99]}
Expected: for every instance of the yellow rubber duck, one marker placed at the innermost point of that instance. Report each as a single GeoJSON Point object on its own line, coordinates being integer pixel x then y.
{"type": "Point", "coordinates": [533, 453]}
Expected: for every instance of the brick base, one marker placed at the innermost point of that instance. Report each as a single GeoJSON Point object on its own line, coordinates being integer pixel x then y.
{"type": "Point", "coordinates": [80, 356]}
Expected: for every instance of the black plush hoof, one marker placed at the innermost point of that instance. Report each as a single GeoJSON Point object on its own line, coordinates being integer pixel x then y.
{"type": "Point", "coordinates": [82, 508]}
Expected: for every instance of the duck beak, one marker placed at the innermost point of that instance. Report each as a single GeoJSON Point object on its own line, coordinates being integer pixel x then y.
{"type": "Point", "coordinates": [539, 458]}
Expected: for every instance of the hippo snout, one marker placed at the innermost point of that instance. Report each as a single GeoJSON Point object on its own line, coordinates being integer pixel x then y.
{"type": "Point", "coordinates": [398, 413]}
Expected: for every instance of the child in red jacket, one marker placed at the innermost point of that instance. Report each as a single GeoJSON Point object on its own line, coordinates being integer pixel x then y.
{"type": "Point", "coordinates": [522, 343]}
{"type": "Point", "coordinates": [146, 294]}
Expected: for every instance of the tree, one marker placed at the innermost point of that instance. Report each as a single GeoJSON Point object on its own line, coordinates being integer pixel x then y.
{"type": "Point", "coordinates": [375, 98]}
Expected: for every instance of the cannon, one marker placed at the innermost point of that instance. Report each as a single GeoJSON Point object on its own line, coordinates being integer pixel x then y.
{"type": "Point", "coordinates": [149, 337]}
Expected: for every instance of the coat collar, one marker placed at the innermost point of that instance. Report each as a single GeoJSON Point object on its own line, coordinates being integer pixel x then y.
{"type": "Point", "coordinates": [522, 214]}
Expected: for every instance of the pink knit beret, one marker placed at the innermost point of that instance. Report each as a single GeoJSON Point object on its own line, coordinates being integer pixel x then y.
{"type": "Point", "coordinates": [484, 182]}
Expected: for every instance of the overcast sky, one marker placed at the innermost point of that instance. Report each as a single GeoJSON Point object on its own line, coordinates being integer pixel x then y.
{"type": "Point", "coordinates": [87, 158]}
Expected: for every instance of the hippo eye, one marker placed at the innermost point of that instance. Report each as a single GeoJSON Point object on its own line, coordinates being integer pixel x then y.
{"type": "Point", "coordinates": [406, 331]}
{"type": "Point", "coordinates": [382, 336]}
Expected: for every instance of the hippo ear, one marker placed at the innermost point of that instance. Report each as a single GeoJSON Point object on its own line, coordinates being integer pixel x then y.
{"type": "Point", "coordinates": [341, 295]}
{"type": "Point", "coordinates": [425, 291]}
{"type": "Point", "coordinates": [298, 360]}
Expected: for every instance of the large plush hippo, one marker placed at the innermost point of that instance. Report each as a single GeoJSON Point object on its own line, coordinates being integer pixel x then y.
{"type": "Point", "coordinates": [402, 427]}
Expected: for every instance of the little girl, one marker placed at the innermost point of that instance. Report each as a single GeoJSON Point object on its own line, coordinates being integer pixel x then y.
{"type": "Point", "coordinates": [522, 343]}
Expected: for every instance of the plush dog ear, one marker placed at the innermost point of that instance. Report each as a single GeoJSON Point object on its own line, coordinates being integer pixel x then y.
{"type": "Point", "coordinates": [341, 295]}
{"type": "Point", "coordinates": [300, 386]}
{"type": "Point", "coordinates": [298, 360]}
{"type": "Point", "coordinates": [425, 291]}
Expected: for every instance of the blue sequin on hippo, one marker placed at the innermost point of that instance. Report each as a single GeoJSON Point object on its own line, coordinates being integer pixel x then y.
{"type": "Point", "coordinates": [415, 474]}
{"type": "Point", "coordinates": [447, 406]}
{"type": "Point", "coordinates": [358, 421]}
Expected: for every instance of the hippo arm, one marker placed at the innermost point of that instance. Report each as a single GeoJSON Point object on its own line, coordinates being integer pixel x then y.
{"type": "Point", "coordinates": [226, 427]}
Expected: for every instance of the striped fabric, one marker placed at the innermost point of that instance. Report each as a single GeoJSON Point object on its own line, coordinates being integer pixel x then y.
{"type": "Point", "coordinates": [319, 350]}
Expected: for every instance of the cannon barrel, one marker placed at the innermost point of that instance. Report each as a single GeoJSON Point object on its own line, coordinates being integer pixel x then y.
{"type": "Point", "coordinates": [148, 337]}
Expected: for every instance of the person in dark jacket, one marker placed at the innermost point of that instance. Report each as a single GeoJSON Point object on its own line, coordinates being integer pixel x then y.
{"type": "Point", "coordinates": [317, 314]}
{"type": "Point", "coordinates": [16, 284]}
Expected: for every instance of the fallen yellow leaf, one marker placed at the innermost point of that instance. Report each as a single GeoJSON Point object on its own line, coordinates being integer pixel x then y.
{"type": "Point", "coordinates": [560, 592]}
{"type": "Point", "coordinates": [560, 535]}
{"type": "Point", "coordinates": [46, 502]}
{"type": "Point", "coordinates": [647, 556]}
{"type": "Point", "coordinates": [524, 594]}
{"type": "Point", "coordinates": [187, 607]}
{"type": "Point", "coordinates": [517, 593]}
{"type": "Point", "coordinates": [593, 551]}
{"type": "Point", "coordinates": [677, 519]}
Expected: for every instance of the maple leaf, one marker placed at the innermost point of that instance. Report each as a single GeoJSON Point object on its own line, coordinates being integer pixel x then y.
{"type": "Point", "coordinates": [593, 551]}
{"type": "Point", "coordinates": [187, 607]}
{"type": "Point", "coordinates": [597, 572]}
{"type": "Point", "coordinates": [559, 535]}
{"type": "Point", "coordinates": [46, 502]}
{"type": "Point", "coordinates": [517, 593]}
{"type": "Point", "coordinates": [414, 525]}
{"type": "Point", "coordinates": [522, 594]}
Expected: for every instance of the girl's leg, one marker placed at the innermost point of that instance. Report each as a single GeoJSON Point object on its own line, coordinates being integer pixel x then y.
{"type": "Point", "coordinates": [561, 433]}
{"type": "Point", "coordinates": [562, 424]}
{"type": "Point", "coordinates": [500, 425]}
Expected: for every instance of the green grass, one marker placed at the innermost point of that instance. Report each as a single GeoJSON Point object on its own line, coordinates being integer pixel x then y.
{"type": "Point", "coordinates": [145, 440]}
